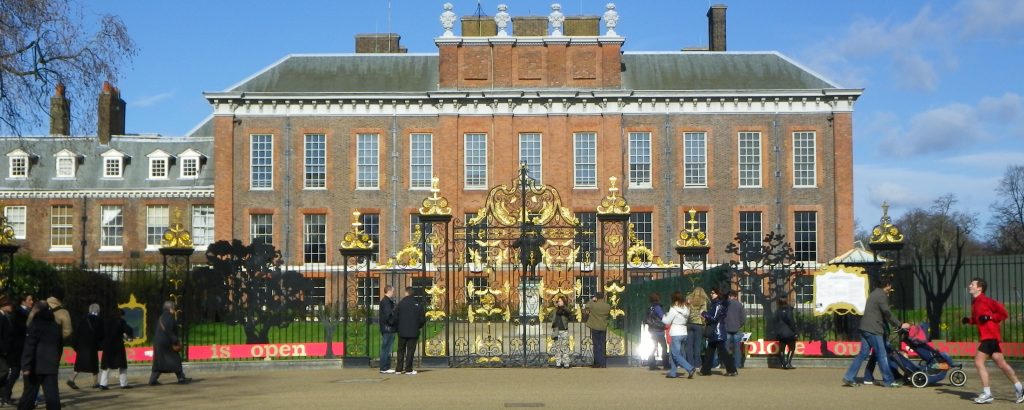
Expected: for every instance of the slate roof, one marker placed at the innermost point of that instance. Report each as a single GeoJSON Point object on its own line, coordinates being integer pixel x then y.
{"type": "Point", "coordinates": [89, 174]}
{"type": "Point", "coordinates": [415, 73]}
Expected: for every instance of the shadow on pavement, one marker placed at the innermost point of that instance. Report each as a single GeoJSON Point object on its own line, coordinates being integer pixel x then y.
{"type": "Point", "coordinates": [966, 395]}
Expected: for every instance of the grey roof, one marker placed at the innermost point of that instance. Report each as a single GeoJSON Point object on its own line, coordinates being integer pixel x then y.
{"type": "Point", "coordinates": [347, 73]}
{"type": "Point", "coordinates": [716, 71]}
{"type": "Point", "coordinates": [384, 73]}
{"type": "Point", "coordinates": [89, 173]}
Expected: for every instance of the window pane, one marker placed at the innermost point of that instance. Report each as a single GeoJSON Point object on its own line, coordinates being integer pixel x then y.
{"type": "Point", "coordinates": [19, 167]}
{"type": "Point", "coordinates": [60, 226]}
{"type": "Point", "coordinates": [189, 167]}
{"type": "Point", "coordinates": [371, 226]}
{"type": "Point", "coordinates": [643, 228]}
{"type": "Point", "coordinates": [750, 159]}
{"type": "Point", "coordinates": [695, 159]}
{"type": "Point", "coordinates": [261, 228]}
{"type": "Point", "coordinates": [262, 162]}
{"type": "Point", "coordinates": [157, 222]}
{"type": "Point", "coordinates": [158, 168]}
{"type": "Point", "coordinates": [314, 233]}
{"type": "Point", "coordinates": [65, 167]}
{"type": "Point", "coordinates": [806, 231]}
{"type": "Point", "coordinates": [640, 159]}
{"type": "Point", "coordinates": [530, 154]}
{"type": "Point", "coordinates": [421, 162]}
{"type": "Point", "coordinates": [316, 161]}
{"type": "Point", "coordinates": [367, 161]}
{"type": "Point", "coordinates": [750, 231]}
{"type": "Point", "coordinates": [111, 226]}
{"type": "Point", "coordinates": [586, 237]}
{"type": "Point", "coordinates": [202, 225]}
{"type": "Point", "coordinates": [803, 159]}
{"type": "Point", "coordinates": [585, 148]}
{"type": "Point", "coordinates": [112, 167]}
{"type": "Point", "coordinates": [16, 217]}
{"type": "Point", "coordinates": [476, 161]}
{"type": "Point", "coordinates": [368, 291]}
{"type": "Point", "coordinates": [428, 229]}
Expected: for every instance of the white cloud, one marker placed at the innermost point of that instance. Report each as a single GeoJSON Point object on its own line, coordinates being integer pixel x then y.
{"type": "Point", "coordinates": [992, 18]}
{"type": "Point", "coordinates": [952, 126]}
{"type": "Point", "coordinates": [152, 100]}
{"type": "Point", "coordinates": [905, 189]}
{"type": "Point", "coordinates": [994, 162]}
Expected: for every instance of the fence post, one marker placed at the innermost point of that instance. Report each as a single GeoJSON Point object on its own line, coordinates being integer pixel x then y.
{"type": "Point", "coordinates": [176, 250]}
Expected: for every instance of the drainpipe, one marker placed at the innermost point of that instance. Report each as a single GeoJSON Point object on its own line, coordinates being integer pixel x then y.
{"type": "Point", "coordinates": [777, 149]}
{"type": "Point", "coordinates": [393, 242]}
{"type": "Point", "coordinates": [286, 188]}
{"type": "Point", "coordinates": [668, 175]}
{"type": "Point", "coordinates": [85, 227]}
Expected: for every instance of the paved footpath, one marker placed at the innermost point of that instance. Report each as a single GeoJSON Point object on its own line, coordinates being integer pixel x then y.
{"type": "Point", "coordinates": [620, 388]}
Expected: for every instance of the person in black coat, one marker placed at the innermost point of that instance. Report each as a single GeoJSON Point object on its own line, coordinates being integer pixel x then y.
{"type": "Point", "coordinates": [785, 331]}
{"type": "Point", "coordinates": [165, 358]}
{"type": "Point", "coordinates": [387, 329]}
{"type": "Point", "coordinates": [114, 356]}
{"type": "Point", "coordinates": [19, 326]}
{"type": "Point", "coordinates": [88, 339]}
{"type": "Point", "coordinates": [40, 359]}
{"type": "Point", "coordinates": [410, 317]}
{"type": "Point", "coordinates": [714, 317]}
{"type": "Point", "coordinates": [6, 335]}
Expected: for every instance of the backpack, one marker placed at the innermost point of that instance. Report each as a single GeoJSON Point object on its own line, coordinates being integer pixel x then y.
{"type": "Point", "coordinates": [652, 321]}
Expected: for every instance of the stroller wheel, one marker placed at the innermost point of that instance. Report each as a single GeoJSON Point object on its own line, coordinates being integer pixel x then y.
{"type": "Point", "coordinates": [919, 379]}
{"type": "Point", "coordinates": [958, 377]}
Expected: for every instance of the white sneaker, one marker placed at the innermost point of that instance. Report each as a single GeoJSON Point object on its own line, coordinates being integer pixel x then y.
{"type": "Point", "coordinates": [389, 371]}
{"type": "Point", "coordinates": [412, 373]}
{"type": "Point", "coordinates": [983, 398]}
{"type": "Point", "coordinates": [1020, 396]}
{"type": "Point", "coordinates": [869, 382]}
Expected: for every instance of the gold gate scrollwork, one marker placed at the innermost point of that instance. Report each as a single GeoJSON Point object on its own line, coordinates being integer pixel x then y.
{"type": "Point", "coordinates": [489, 302]}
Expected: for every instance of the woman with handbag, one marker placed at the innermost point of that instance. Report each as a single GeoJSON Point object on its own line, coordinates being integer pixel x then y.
{"type": "Point", "coordinates": [560, 325]}
{"type": "Point", "coordinates": [676, 319]}
{"type": "Point", "coordinates": [698, 300]}
{"type": "Point", "coordinates": [166, 346]}
{"type": "Point", "coordinates": [656, 329]}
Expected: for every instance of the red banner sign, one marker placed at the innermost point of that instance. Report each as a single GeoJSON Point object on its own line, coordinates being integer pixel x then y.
{"type": "Point", "coordinates": [228, 352]}
{"type": "Point", "coordinates": [813, 348]}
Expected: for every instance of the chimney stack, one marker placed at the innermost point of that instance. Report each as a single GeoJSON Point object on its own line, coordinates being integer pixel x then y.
{"type": "Point", "coordinates": [716, 28]}
{"type": "Point", "coordinates": [60, 112]}
{"type": "Point", "coordinates": [110, 115]}
{"type": "Point", "coordinates": [379, 43]}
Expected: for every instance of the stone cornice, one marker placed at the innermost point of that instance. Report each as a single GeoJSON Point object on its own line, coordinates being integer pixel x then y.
{"type": "Point", "coordinates": [105, 193]}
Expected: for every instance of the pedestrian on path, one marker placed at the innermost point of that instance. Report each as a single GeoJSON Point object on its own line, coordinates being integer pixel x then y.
{"type": "Point", "coordinates": [676, 320]}
{"type": "Point", "coordinates": [598, 312]}
{"type": "Point", "coordinates": [872, 329]}
{"type": "Point", "coordinates": [387, 322]}
{"type": "Point", "coordinates": [411, 318]}
{"type": "Point", "coordinates": [560, 326]}
{"type": "Point", "coordinates": [987, 313]}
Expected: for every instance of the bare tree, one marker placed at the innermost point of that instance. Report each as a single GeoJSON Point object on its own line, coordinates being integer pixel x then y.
{"type": "Point", "coordinates": [1007, 225]}
{"type": "Point", "coordinates": [938, 240]}
{"type": "Point", "coordinates": [46, 42]}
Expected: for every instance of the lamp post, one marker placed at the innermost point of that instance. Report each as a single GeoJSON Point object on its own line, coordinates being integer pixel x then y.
{"type": "Point", "coordinates": [692, 244]}
{"type": "Point", "coordinates": [886, 237]}
{"type": "Point", "coordinates": [355, 244]}
{"type": "Point", "coordinates": [7, 251]}
{"type": "Point", "coordinates": [176, 250]}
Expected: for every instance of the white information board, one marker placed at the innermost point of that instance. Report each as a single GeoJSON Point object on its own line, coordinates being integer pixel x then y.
{"type": "Point", "coordinates": [840, 289]}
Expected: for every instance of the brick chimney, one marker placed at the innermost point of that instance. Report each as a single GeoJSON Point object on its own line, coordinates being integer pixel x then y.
{"type": "Point", "coordinates": [378, 43]}
{"type": "Point", "coordinates": [110, 113]}
{"type": "Point", "coordinates": [716, 28]}
{"type": "Point", "coordinates": [60, 112]}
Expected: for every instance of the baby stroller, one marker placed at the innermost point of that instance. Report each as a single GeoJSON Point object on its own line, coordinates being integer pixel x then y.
{"type": "Point", "coordinates": [932, 366]}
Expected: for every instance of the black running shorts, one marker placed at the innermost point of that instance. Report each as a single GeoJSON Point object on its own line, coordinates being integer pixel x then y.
{"type": "Point", "coordinates": [989, 347]}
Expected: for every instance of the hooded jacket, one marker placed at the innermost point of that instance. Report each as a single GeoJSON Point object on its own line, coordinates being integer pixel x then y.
{"type": "Point", "coordinates": [61, 316]}
{"type": "Point", "coordinates": [676, 319]}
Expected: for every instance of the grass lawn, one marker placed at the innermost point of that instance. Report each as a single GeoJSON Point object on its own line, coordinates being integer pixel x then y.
{"type": "Point", "coordinates": [298, 332]}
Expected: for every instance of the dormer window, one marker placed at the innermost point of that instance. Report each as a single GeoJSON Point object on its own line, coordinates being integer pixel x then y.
{"type": "Point", "coordinates": [18, 161]}
{"type": "Point", "coordinates": [67, 163]}
{"type": "Point", "coordinates": [159, 164]}
{"type": "Point", "coordinates": [191, 161]}
{"type": "Point", "coordinates": [113, 163]}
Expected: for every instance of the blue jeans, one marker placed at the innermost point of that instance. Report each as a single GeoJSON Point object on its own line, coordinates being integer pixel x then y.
{"type": "Point", "coordinates": [694, 343]}
{"type": "Point", "coordinates": [387, 341]}
{"type": "Point", "coordinates": [599, 338]}
{"type": "Point", "coordinates": [868, 342]}
{"type": "Point", "coordinates": [735, 343]}
{"type": "Point", "coordinates": [677, 356]}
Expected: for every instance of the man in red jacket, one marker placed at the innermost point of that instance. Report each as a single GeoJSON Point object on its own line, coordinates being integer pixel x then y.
{"type": "Point", "coordinates": [986, 313]}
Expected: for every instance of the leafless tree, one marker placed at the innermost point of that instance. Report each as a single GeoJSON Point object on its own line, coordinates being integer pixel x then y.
{"type": "Point", "coordinates": [1007, 225]}
{"type": "Point", "coordinates": [46, 42]}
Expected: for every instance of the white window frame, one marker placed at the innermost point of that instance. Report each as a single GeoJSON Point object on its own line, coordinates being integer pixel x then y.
{"type": "Point", "coordinates": [17, 217]}
{"type": "Point", "coordinates": [640, 178]}
{"type": "Point", "coordinates": [797, 239]}
{"type": "Point", "coordinates": [309, 167]}
{"type": "Point", "coordinates": [695, 158]}
{"type": "Point", "coordinates": [158, 220]}
{"type": "Point", "coordinates": [115, 158]}
{"type": "Point", "coordinates": [805, 159]}
{"type": "Point", "coordinates": [14, 169]}
{"type": "Point", "coordinates": [186, 157]}
{"type": "Point", "coordinates": [420, 165]}
{"type": "Point", "coordinates": [253, 234]}
{"type": "Point", "coordinates": [753, 159]}
{"type": "Point", "coordinates": [59, 223]}
{"type": "Point", "coordinates": [69, 157]}
{"type": "Point", "coordinates": [368, 161]}
{"type": "Point", "coordinates": [528, 143]}
{"type": "Point", "coordinates": [265, 169]}
{"type": "Point", "coordinates": [116, 236]}
{"type": "Point", "coordinates": [314, 226]}
{"type": "Point", "coordinates": [202, 226]}
{"type": "Point", "coordinates": [155, 158]}
{"type": "Point", "coordinates": [588, 151]}
{"type": "Point", "coordinates": [476, 161]}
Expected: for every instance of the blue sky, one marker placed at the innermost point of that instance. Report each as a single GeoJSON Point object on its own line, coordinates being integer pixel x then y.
{"type": "Point", "coordinates": [942, 111]}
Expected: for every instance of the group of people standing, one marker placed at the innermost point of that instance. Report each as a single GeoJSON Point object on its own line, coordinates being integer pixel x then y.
{"type": "Point", "coordinates": [702, 330]}
{"type": "Point", "coordinates": [406, 320]}
{"type": "Point", "coordinates": [33, 335]}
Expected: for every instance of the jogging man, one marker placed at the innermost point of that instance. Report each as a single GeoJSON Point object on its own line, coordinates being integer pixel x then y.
{"type": "Point", "coordinates": [986, 313]}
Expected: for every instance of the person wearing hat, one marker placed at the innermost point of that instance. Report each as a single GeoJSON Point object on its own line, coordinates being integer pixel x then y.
{"type": "Point", "coordinates": [598, 312]}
